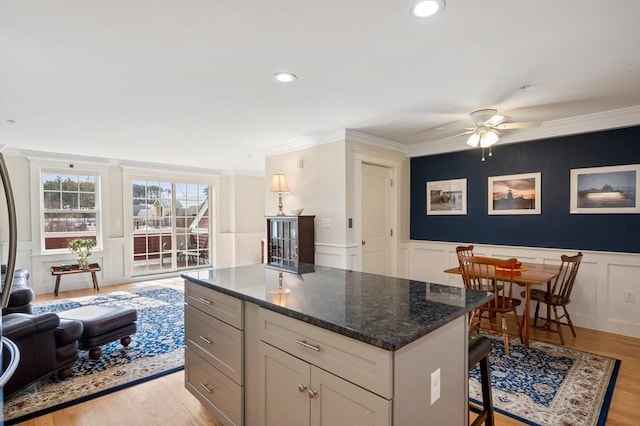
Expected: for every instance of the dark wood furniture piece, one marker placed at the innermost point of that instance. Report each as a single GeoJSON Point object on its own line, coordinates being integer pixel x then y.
{"type": "Point", "coordinates": [58, 272]}
{"type": "Point", "coordinates": [290, 240]}
{"type": "Point", "coordinates": [481, 273]}
{"type": "Point", "coordinates": [479, 350]}
{"type": "Point", "coordinates": [529, 275]}
{"type": "Point", "coordinates": [558, 294]}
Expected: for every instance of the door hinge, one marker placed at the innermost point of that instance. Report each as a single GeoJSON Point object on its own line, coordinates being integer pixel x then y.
{"type": "Point", "coordinates": [391, 182]}
{"type": "Point", "coordinates": [392, 232]}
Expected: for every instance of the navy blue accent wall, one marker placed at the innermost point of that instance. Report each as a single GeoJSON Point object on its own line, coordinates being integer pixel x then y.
{"type": "Point", "coordinates": [555, 227]}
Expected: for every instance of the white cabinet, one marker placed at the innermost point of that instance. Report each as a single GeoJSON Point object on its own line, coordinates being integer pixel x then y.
{"type": "Point", "coordinates": [297, 393]}
{"type": "Point", "coordinates": [214, 355]}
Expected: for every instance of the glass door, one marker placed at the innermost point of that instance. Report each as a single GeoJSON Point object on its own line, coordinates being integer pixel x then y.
{"type": "Point", "coordinates": [170, 225]}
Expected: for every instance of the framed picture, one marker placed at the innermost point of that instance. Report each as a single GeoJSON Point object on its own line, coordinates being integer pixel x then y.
{"type": "Point", "coordinates": [447, 197]}
{"type": "Point", "coordinates": [612, 189]}
{"type": "Point", "coordinates": [514, 194]}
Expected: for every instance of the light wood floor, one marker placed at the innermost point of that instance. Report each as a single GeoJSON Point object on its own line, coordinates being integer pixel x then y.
{"type": "Point", "coordinates": [165, 401]}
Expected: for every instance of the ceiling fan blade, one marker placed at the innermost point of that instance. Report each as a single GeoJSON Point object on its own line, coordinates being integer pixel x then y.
{"type": "Point", "coordinates": [497, 120]}
{"type": "Point", "coordinates": [521, 125]}
{"type": "Point", "coordinates": [468, 132]}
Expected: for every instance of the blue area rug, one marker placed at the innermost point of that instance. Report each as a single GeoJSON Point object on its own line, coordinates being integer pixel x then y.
{"type": "Point", "coordinates": [548, 385]}
{"type": "Point", "coordinates": [157, 349]}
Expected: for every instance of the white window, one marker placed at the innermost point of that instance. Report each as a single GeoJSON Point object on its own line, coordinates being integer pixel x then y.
{"type": "Point", "coordinates": [70, 207]}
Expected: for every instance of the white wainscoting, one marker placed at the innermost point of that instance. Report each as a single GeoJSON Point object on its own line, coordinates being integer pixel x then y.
{"type": "Point", "coordinates": [597, 301]}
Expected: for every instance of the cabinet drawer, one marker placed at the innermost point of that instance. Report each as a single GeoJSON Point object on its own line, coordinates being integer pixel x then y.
{"type": "Point", "coordinates": [216, 391]}
{"type": "Point", "coordinates": [218, 305]}
{"type": "Point", "coordinates": [218, 343]}
{"type": "Point", "coordinates": [355, 361]}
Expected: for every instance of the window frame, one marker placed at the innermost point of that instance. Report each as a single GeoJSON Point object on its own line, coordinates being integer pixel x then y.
{"type": "Point", "coordinates": [41, 167]}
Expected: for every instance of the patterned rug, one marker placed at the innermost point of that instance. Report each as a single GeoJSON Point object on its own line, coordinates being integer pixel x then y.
{"type": "Point", "coordinates": [548, 385]}
{"type": "Point", "coordinates": [157, 349]}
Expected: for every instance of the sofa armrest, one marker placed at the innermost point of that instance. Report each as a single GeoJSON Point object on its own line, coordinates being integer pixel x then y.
{"type": "Point", "coordinates": [17, 326]}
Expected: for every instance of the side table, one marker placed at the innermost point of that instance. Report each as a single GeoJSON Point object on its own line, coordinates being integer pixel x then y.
{"type": "Point", "coordinates": [58, 272]}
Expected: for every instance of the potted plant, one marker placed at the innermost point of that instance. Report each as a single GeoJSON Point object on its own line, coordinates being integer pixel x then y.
{"type": "Point", "coordinates": [82, 248]}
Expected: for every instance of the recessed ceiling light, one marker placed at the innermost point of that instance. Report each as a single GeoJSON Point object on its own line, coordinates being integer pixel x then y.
{"type": "Point", "coordinates": [422, 9]}
{"type": "Point", "coordinates": [284, 77]}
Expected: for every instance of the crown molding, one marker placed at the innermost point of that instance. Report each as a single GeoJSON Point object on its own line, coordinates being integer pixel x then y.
{"type": "Point", "coordinates": [357, 136]}
{"type": "Point", "coordinates": [336, 136]}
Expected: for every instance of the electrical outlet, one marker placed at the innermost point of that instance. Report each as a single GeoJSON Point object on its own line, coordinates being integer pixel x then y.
{"type": "Point", "coordinates": [435, 386]}
{"type": "Point", "coordinates": [630, 296]}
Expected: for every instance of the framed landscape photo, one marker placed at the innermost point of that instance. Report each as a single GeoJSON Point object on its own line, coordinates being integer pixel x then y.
{"type": "Point", "coordinates": [611, 189]}
{"type": "Point", "coordinates": [514, 194]}
{"type": "Point", "coordinates": [447, 197]}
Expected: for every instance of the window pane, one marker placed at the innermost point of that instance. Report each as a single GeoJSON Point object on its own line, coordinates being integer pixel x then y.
{"type": "Point", "coordinates": [52, 200]}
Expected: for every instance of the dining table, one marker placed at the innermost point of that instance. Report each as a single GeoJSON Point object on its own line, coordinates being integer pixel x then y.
{"type": "Point", "coordinates": [528, 275]}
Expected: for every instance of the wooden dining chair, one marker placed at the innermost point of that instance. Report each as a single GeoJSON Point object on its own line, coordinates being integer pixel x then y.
{"type": "Point", "coordinates": [496, 276]}
{"type": "Point", "coordinates": [558, 295]}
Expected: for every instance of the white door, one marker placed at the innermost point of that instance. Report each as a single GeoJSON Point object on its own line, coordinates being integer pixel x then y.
{"type": "Point", "coordinates": [376, 228]}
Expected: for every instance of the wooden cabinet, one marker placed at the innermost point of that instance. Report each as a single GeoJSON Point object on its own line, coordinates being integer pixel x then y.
{"type": "Point", "coordinates": [214, 355]}
{"type": "Point", "coordinates": [298, 393]}
{"type": "Point", "coordinates": [290, 240]}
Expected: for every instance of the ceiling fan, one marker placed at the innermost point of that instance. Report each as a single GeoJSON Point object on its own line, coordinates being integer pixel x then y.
{"type": "Point", "coordinates": [487, 126]}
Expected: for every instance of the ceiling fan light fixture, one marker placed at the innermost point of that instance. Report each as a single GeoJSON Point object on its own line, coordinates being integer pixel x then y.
{"type": "Point", "coordinates": [473, 140]}
{"type": "Point", "coordinates": [488, 138]}
{"type": "Point", "coordinates": [423, 9]}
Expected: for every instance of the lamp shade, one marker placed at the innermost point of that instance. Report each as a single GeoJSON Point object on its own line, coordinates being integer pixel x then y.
{"type": "Point", "coordinates": [489, 138]}
{"type": "Point", "coordinates": [279, 183]}
{"type": "Point", "coordinates": [473, 140]}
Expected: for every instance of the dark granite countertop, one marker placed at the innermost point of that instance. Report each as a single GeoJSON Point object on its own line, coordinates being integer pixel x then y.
{"type": "Point", "coordinates": [383, 311]}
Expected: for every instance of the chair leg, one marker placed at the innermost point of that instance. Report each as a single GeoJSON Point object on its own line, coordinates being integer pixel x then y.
{"type": "Point", "coordinates": [558, 325]}
{"type": "Point", "coordinates": [487, 398]}
{"type": "Point", "coordinates": [569, 322]}
{"type": "Point", "coordinates": [505, 335]}
{"type": "Point", "coordinates": [518, 324]}
{"type": "Point", "coordinates": [535, 316]}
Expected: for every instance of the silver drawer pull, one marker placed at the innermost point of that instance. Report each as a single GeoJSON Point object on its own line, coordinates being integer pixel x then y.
{"type": "Point", "coordinates": [308, 345]}
{"type": "Point", "coordinates": [205, 301]}
{"type": "Point", "coordinates": [302, 388]}
{"type": "Point", "coordinates": [312, 394]}
{"type": "Point", "coordinates": [207, 388]}
{"type": "Point", "coordinates": [206, 340]}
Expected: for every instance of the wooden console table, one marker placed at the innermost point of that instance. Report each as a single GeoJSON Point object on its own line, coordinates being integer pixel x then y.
{"type": "Point", "coordinates": [58, 272]}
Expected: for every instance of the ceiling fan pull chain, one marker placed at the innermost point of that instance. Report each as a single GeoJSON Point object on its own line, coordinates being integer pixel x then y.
{"type": "Point", "coordinates": [483, 154]}
{"type": "Point", "coordinates": [490, 153]}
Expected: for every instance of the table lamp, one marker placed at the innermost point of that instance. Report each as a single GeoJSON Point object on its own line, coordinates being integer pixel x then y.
{"type": "Point", "coordinates": [279, 185]}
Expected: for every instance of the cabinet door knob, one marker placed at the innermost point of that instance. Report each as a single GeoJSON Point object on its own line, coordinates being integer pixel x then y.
{"type": "Point", "coordinates": [302, 388]}
{"type": "Point", "coordinates": [364, 242]}
{"type": "Point", "coordinates": [312, 394]}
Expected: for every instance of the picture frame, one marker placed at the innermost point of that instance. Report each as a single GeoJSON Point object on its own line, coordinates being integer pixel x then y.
{"type": "Point", "coordinates": [447, 197]}
{"type": "Point", "coordinates": [514, 194]}
{"type": "Point", "coordinates": [602, 190]}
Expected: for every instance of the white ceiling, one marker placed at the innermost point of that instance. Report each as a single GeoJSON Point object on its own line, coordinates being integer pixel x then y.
{"type": "Point", "coordinates": [189, 82]}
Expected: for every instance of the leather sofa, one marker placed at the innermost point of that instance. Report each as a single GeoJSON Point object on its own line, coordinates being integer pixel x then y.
{"type": "Point", "coordinates": [46, 342]}
{"type": "Point", "coordinates": [21, 294]}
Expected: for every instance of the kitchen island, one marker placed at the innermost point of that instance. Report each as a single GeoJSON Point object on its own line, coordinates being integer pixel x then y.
{"type": "Point", "coordinates": [326, 346]}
